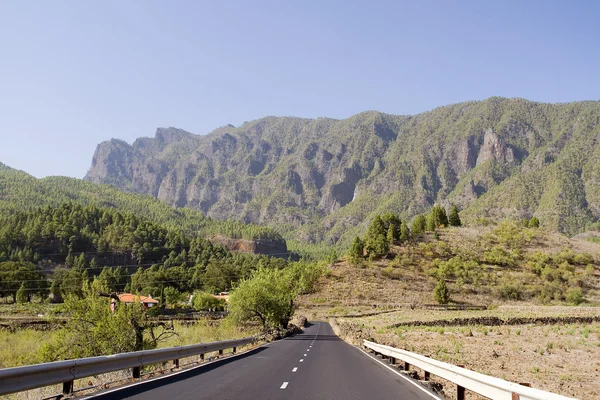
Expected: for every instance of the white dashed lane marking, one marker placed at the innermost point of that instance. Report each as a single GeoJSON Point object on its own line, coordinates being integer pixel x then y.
{"type": "Point", "coordinates": [302, 360]}
{"type": "Point", "coordinates": [284, 385]}
{"type": "Point", "coordinates": [295, 369]}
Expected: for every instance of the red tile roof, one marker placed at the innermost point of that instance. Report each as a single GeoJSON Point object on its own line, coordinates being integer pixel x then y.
{"type": "Point", "coordinates": [134, 298]}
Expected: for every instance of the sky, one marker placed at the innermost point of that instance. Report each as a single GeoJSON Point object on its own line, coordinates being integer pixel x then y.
{"type": "Point", "coordinates": [76, 73]}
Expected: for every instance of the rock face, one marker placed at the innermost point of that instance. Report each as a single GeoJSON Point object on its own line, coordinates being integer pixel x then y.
{"type": "Point", "coordinates": [257, 246]}
{"type": "Point", "coordinates": [336, 173]}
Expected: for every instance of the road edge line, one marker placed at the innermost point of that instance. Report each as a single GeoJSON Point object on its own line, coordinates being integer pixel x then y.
{"type": "Point", "coordinates": [399, 374]}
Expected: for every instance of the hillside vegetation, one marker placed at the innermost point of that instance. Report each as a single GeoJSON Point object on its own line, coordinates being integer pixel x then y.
{"type": "Point", "coordinates": [21, 192]}
{"type": "Point", "coordinates": [57, 249]}
{"type": "Point", "coordinates": [498, 264]}
{"type": "Point", "coordinates": [323, 180]}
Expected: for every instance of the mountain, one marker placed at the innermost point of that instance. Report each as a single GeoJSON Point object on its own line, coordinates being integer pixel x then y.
{"type": "Point", "coordinates": [325, 178]}
{"type": "Point", "coordinates": [21, 192]}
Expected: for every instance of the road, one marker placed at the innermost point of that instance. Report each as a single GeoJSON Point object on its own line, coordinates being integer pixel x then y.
{"type": "Point", "coordinates": [313, 365]}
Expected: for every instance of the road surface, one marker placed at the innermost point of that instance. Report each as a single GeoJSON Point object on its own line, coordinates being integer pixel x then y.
{"type": "Point", "coordinates": [313, 365]}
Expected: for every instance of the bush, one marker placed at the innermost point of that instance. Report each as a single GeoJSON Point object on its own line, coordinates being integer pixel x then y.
{"type": "Point", "coordinates": [203, 301]}
{"type": "Point", "coordinates": [511, 291]}
{"type": "Point", "coordinates": [575, 296]}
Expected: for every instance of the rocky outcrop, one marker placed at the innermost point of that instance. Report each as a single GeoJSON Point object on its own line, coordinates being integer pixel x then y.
{"type": "Point", "coordinates": [257, 246]}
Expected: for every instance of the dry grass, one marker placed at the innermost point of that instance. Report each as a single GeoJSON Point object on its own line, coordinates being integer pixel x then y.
{"type": "Point", "coordinates": [24, 345]}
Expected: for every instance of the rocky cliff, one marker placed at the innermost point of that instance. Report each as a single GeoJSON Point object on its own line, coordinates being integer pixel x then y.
{"type": "Point", "coordinates": [324, 177]}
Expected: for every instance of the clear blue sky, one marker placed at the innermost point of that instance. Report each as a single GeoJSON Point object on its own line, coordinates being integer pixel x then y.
{"type": "Point", "coordinates": [75, 73]}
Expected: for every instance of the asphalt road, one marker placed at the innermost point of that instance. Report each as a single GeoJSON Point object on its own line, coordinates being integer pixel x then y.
{"type": "Point", "coordinates": [313, 365]}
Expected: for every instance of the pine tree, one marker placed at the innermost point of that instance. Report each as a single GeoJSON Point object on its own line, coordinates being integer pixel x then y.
{"type": "Point", "coordinates": [404, 232]}
{"type": "Point", "coordinates": [419, 225]}
{"type": "Point", "coordinates": [440, 293]}
{"type": "Point", "coordinates": [430, 222]}
{"type": "Point", "coordinates": [391, 234]}
{"type": "Point", "coordinates": [356, 251]}
{"type": "Point", "coordinates": [376, 239]}
{"type": "Point", "coordinates": [454, 219]}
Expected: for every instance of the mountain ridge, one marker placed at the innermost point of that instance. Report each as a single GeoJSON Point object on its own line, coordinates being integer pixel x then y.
{"type": "Point", "coordinates": [323, 178]}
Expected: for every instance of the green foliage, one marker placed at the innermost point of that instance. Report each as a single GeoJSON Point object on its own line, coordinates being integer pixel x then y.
{"type": "Point", "coordinates": [356, 251]}
{"type": "Point", "coordinates": [440, 293]}
{"type": "Point", "coordinates": [22, 296]}
{"type": "Point", "coordinates": [15, 275]}
{"type": "Point", "coordinates": [376, 242]}
{"type": "Point", "coordinates": [574, 296]}
{"type": "Point", "coordinates": [534, 222]}
{"type": "Point", "coordinates": [94, 330]}
{"type": "Point", "coordinates": [172, 296]}
{"type": "Point", "coordinates": [267, 296]}
{"type": "Point", "coordinates": [404, 232]}
{"type": "Point", "coordinates": [419, 225]}
{"type": "Point", "coordinates": [453, 218]}
{"type": "Point", "coordinates": [203, 301]}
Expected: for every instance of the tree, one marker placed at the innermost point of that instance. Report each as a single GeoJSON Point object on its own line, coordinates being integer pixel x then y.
{"type": "Point", "coordinates": [404, 232]}
{"type": "Point", "coordinates": [94, 330]}
{"type": "Point", "coordinates": [453, 218]}
{"type": "Point", "coordinates": [22, 296]}
{"type": "Point", "coordinates": [534, 222]}
{"type": "Point", "coordinates": [268, 297]}
{"type": "Point", "coordinates": [391, 234]}
{"type": "Point", "coordinates": [440, 293]}
{"type": "Point", "coordinates": [172, 296]}
{"type": "Point", "coordinates": [436, 218]}
{"type": "Point", "coordinates": [356, 250]}
{"type": "Point", "coordinates": [376, 239]}
{"type": "Point", "coordinates": [431, 223]}
{"type": "Point", "coordinates": [419, 225]}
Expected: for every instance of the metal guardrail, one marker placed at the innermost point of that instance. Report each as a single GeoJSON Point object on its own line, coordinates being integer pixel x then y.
{"type": "Point", "coordinates": [488, 386]}
{"type": "Point", "coordinates": [18, 379]}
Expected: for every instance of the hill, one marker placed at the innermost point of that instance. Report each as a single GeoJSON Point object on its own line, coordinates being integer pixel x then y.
{"type": "Point", "coordinates": [324, 179]}
{"type": "Point", "coordinates": [20, 192]}
{"type": "Point", "coordinates": [491, 265]}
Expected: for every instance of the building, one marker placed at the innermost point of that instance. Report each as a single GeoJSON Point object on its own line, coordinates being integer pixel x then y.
{"type": "Point", "coordinates": [129, 298]}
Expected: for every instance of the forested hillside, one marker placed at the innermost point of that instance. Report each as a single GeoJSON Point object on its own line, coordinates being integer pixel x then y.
{"type": "Point", "coordinates": [71, 243]}
{"type": "Point", "coordinates": [324, 179]}
{"type": "Point", "coordinates": [22, 192]}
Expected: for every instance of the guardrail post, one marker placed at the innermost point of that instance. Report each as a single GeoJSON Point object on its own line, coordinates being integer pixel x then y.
{"type": "Point", "coordinates": [393, 360]}
{"type": "Point", "coordinates": [406, 366]}
{"type": "Point", "coordinates": [234, 350]}
{"type": "Point", "coordinates": [136, 372]}
{"type": "Point", "coordinates": [460, 393]}
{"type": "Point", "coordinates": [426, 375]}
{"type": "Point", "coordinates": [202, 356]}
{"type": "Point", "coordinates": [176, 363]}
{"type": "Point", "coordinates": [67, 387]}
{"type": "Point", "coordinates": [221, 352]}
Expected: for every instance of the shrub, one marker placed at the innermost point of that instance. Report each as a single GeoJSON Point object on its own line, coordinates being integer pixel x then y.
{"type": "Point", "coordinates": [203, 301]}
{"type": "Point", "coordinates": [574, 296]}
{"type": "Point", "coordinates": [511, 291]}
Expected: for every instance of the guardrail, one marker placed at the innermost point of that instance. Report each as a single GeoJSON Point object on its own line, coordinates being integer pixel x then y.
{"type": "Point", "coordinates": [488, 386]}
{"type": "Point", "coordinates": [18, 379]}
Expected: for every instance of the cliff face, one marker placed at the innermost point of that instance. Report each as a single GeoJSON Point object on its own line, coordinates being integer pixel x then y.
{"type": "Point", "coordinates": [499, 157]}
